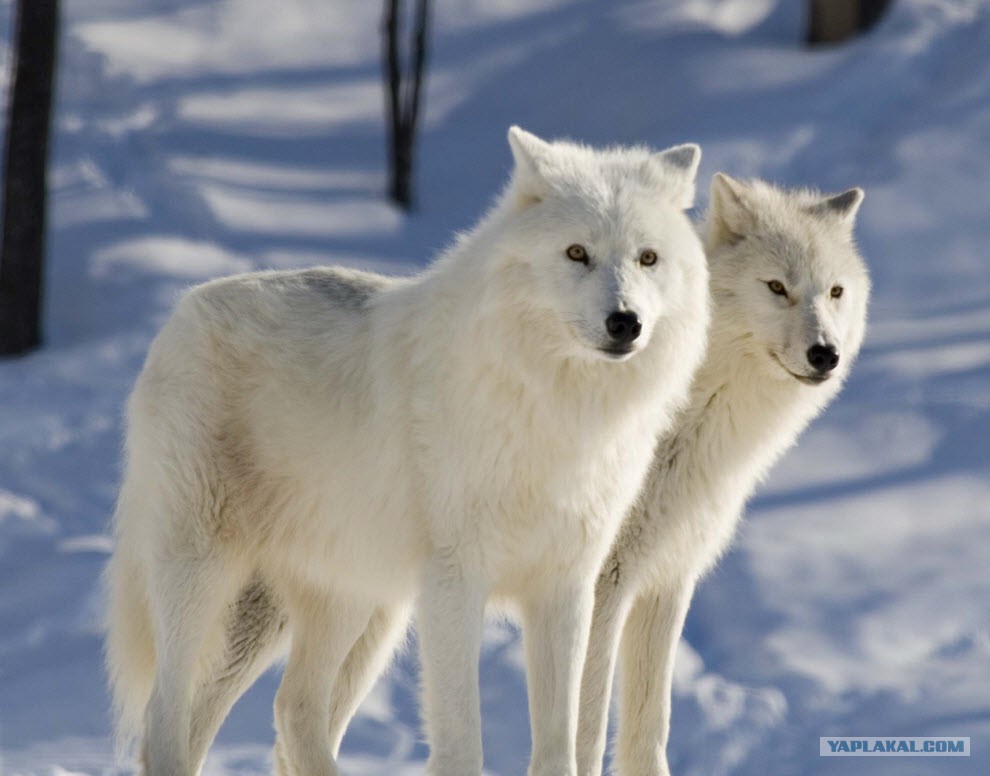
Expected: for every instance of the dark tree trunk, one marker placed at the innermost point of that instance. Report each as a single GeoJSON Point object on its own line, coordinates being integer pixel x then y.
{"type": "Point", "coordinates": [404, 95]}
{"type": "Point", "coordinates": [833, 21]}
{"type": "Point", "coordinates": [25, 183]}
{"type": "Point", "coordinates": [870, 12]}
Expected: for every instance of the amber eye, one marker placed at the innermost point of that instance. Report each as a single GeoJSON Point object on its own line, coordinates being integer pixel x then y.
{"type": "Point", "coordinates": [777, 287]}
{"type": "Point", "coordinates": [836, 292]}
{"type": "Point", "coordinates": [577, 253]}
{"type": "Point", "coordinates": [648, 258]}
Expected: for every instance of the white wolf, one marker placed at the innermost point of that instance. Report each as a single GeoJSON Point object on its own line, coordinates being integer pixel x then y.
{"type": "Point", "coordinates": [337, 442]}
{"type": "Point", "coordinates": [789, 314]}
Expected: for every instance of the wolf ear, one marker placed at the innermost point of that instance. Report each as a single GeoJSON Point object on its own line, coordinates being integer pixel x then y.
{"type": "Point", "coordinates": [842, 206]}
{"type": "Point", "coordinates": [528, 150]}
{"type": "Point", "coordinates": [531, 155]}
{"type": "Point", "coordinates": [730, 215]}
{"type": "Point", "coordinates": [681, 164]}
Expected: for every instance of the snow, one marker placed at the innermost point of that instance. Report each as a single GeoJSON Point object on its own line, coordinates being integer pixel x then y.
{"type": "Point", "coordinates": [201, 137]}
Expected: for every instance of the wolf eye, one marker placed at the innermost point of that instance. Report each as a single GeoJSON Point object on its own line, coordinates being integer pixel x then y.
{"type": "Point", "coordinates": [777, 287]}
{"type": "Point", "coordinates": [836, 292]}
{"type": "Point", "coordinates": [648, 258]}
{"type": "Point", "coordinates": [577, 253]}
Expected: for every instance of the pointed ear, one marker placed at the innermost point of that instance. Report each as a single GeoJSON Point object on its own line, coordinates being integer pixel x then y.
{"type": "Point", "coordinates": [680, 163]}
{"type": "Point", "coordinates": [730, 215]}
{"type": "Point", "coordinates": [530, 154]}
{"type": "Point", "coordinates": [842, 206]}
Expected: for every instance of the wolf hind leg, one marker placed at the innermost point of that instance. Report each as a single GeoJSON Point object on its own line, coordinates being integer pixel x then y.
{"type": "Point", "coordinates": [365, 662]}
{"type": "Point", "coordinates": [255, 633]}
{"type": "Point", "coordinates": [188, 593]}
{"type": "Point", "coordinates": [324, 629]}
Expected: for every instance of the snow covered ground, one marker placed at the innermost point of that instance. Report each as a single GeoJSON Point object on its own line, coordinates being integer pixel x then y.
{"type": "Point", "coordinates": [201, 137]}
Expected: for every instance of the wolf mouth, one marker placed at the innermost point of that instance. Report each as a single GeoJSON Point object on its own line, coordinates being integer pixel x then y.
{"type": "Point", "coordinates": [617, 353]}
{"type": "Point", "coordinates": [806, 379]}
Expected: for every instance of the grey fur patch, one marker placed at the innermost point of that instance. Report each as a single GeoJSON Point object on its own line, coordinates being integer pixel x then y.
{"type": "Point", "coordinates": [256, 619]}
{"type": "Point", "coordinates": [350, 290]}
{"type": "Point", "coordinates": [683, 157]}
{"type": "Point", "coordinates": [844, 205]}
{"type": "Point", "coordinates": [612, 571]}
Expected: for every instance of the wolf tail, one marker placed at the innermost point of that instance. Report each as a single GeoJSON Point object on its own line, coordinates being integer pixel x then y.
{"type": "Point", "coordinates": [130, 647]}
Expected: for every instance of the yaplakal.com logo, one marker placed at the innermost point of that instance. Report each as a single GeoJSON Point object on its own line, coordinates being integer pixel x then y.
{"type": "Point", "coordinates": [878, 746]}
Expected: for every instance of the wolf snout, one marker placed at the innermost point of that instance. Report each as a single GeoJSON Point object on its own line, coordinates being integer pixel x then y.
{"type": "Point", "coordinates": [824, 358]}
{"type": "Point", "coordinates": [623, 326]}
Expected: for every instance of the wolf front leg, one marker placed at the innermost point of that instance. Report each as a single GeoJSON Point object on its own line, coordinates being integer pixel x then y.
{"type": "Point", "coordinates": [555, 632]}
{"type": "Point", "coordinates": [449, 620]}
{"type": "Point", "coordinates": [649, 642]}
{"type": "Point", "coordinates": [612, 601]}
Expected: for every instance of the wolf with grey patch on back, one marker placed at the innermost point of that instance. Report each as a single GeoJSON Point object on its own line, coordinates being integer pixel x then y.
{"type": "Point", "coordinates": [789, 294]}
{"type": "Point", "coordinates": [308, 451]}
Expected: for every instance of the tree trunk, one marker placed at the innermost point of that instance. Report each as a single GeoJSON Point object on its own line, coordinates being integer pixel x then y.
{"type": "Point", "coordinates": [25, 183]}
{"type": "Point", "coordinates": [833, 21]}
{"type": "Point", "coordinates": [403, 96]}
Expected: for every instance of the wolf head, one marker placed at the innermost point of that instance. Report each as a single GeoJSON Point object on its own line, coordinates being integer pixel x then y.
{"type": "Point", "coordinates": [597, 244]}
{"type": "Point", "coordinates": [789, 288]}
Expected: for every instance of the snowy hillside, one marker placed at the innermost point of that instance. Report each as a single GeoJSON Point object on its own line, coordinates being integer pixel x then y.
{"type": "Point", "coordinates": [201, 137]}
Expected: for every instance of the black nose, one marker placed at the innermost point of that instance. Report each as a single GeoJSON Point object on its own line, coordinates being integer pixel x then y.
{"type": "Point", "coordinates": [623, 327]}
{"type": "Point", "coordinates": [824, 358]}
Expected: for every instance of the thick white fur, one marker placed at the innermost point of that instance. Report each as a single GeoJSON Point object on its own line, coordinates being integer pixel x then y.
{"type": "Point", "coordinates": [745, 410]}
{"type": "Point", "coordinates": [315, 448]}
